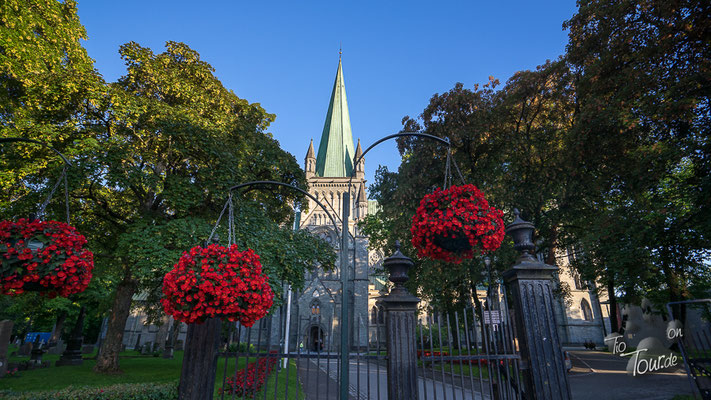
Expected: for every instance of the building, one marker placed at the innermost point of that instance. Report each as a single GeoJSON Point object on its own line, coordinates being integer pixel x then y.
{"type": "Point", "coordinates": [314, 314]}
{"type": "Point", "coordinates": [581, 317]}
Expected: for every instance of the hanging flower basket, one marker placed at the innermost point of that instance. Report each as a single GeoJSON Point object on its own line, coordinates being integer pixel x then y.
{"type": "Point", "coordinates": [217, 282]}
{"type": "Point", "coordinates": [454, 223]}
{"type": "Point", "coordinates": [43, 256]}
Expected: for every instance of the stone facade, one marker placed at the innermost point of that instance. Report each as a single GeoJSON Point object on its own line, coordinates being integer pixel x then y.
{"type": "Point", "coordinates": [583, 318]}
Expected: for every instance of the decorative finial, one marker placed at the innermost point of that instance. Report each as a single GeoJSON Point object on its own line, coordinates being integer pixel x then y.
{"type": "Point", "coordinates": [522, 233]}
{"type": "Point", "coordinates": [397, 245]}
{"type": "Point", "coordinates": [340, 50]}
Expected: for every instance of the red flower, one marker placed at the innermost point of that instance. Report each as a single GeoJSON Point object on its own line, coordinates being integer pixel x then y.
{"type": "Point", "coordinates": [450, 224]}
{"type": "Point", "coordinates": [250, 380]}
{"type": "Point", "coordinates": [217, 282]}
{"type": "Point", "coordinates": [56, 264]}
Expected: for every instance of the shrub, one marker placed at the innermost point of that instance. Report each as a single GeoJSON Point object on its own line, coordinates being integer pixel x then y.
{"type": "Point", "coordinates": [124, 391]}
{"type": "Point", "coordinates": [241, 348]}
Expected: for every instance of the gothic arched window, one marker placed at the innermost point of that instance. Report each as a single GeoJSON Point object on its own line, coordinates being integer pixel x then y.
{"type": "Point", "coordinates": [315, 307]}
{"type": "Point", "coordinates": [374, 316]}
{"type": "Point", "coordinates": [587, 311]}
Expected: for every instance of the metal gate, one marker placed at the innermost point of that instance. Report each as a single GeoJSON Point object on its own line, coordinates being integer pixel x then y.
{"type": "Point", "coordinates": [469, 353]}
{"type": "Point", "coordinates": [259, 362]}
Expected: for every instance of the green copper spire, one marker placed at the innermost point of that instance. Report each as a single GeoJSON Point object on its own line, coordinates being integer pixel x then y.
{"type": "Point", "coordinates": [335, 151]}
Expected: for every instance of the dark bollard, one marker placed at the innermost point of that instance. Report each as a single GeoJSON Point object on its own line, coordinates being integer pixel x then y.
{"type": "Point", "coordinates": [400, 322]}
{"type": "Point", "coordinates": [530, 283]}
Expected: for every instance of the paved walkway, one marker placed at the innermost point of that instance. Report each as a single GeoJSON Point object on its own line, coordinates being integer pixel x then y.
{"type": "Point", "coordinates": [600, 375]}
{"type": "Point", "coordinates": [369, 381]}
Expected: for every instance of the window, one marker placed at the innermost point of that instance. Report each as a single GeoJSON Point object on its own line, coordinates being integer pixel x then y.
{"type": "Point", "coordinates": [576, 278]}
{"type": "Point", "coordinates": [586, 310]}
{"type": "Point", "coordinates": [381, 315]}
{"type": "Point", "coordinates": [374, 316]}
{"type": "Point", "coordinates": [315, 307]}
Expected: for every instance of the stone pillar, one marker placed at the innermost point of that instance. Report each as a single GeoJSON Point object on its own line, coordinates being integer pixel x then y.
{"type": "Point", "coordinates": [5, 332]}
{"type": "Point", "coordinates": [400, 322]}
{"type": "Point", "coordinates": [197, 376]}
{"type": "Point", "coordinates": [72, 355]}
{"type": "Point", "coordinates": [530, 283]}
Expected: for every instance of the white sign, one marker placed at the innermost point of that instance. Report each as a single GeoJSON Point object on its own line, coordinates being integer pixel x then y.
{"type": "Point", "coordinates": [492, 317]}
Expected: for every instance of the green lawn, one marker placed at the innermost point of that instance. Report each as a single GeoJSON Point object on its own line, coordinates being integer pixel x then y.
{"type": "Point", "coordinates": [136, 369]}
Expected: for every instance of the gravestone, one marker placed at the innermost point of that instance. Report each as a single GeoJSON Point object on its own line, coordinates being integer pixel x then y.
{"type": "Point", "coordinates": [58, 348]}
{"type": "Point", "coordinates": [5, 331]}
{"type": "Point", "coordinates": [36, 353]}
{"type": "Point", "coordinates": [147, 348]}
{"type": "Point", "coordinates": [24, 349]}
{"type": "Point", "coordinates": [72, 355]}
{"type": "Point", "coordinates": [179, 345]}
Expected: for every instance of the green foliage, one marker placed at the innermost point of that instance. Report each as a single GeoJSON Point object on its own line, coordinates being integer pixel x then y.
{"type": "Point", "coordinates": [241, 348]}
{"type": "Point", "coordinates": [46, 82]}
{"type": "Point", "coordinates": [124, 391]}
{"type": "Point", "coordinates": [606, 149]}
{"type": "Point", "coordinates": [643, 96]}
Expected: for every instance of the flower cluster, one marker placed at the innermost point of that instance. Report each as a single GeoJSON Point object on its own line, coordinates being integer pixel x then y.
{"type": "Point", "coordinates": [249, 381]}
{"type": "Point", "coordinates": [449, 224]}
{"type": "Point", "coordinates": [44, 256]}
{"type": "Point", "coordinates": [428, 353]}
{"type": "Point", "coordinates": [217, 282]}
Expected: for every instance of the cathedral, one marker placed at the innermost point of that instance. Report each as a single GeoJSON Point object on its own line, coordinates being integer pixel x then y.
{"type": "Point", "coordinates": [329, 171]}
{"type": "Point", "coordinates": [309, 319]}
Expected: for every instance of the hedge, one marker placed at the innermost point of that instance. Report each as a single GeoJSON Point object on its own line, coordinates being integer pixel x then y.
{"type": "Point", "coordinates": [124, 391]}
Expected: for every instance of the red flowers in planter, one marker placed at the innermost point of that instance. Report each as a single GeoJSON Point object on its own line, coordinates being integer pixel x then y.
{"type": "Point", "coordinates": [249, 381]}
{"type": "Point", "coordinates": [449, 224]}
{"type": "Point", "coordinates": [217, 282]}
{"type": "Point", "coordinates": [44, 256]}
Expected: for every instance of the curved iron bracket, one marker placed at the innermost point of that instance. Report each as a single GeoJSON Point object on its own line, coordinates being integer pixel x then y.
{"type": "Point", "coordinates": [274, 183]}
{"type": "Point", "coordinates": [401, 134]}
{"type": "Point", "coordinates": [15, 139]}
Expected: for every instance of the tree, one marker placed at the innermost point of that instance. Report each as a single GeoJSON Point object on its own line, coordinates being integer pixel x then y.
{"type": "Point", "coordinates": [643, 83]}
{"type": "Point", "coordinates": [170, 141]}
{"type": "Point", "coordinates": [155, 154]}
{"type": "Point", "coordinates": [46, 82]}
{"type": "Point", "coordinates": [511, 143]}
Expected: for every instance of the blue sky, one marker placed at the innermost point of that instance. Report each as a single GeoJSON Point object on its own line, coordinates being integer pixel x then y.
{"type": "Point", "coordinates": [284, 55]}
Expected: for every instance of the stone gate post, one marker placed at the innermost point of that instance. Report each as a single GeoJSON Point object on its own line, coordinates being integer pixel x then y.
{"type": "Point", "coordinates": [400, 322]}
{"type": "Point", "coordinates": [530, 283]}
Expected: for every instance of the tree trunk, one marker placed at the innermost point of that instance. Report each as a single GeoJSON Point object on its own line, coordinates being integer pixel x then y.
{"type": "Point", "coordinates": [675, 293]}
{"type": "Point", "coordinates": [550, 257]}
{"type": "Point", "coordinates": [614, 325]}
{"type": "Point", "coordinates": [162, 334]}
{"type": "Point", "coordinates": [58, 327]}
{"type": "Point", "coordinates": [174, 332]}
{"type": "Point", "coordinates": [108, 360]}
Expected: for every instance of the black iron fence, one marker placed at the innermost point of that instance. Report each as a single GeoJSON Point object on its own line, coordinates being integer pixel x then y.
{"type": "Point", "coordinates": [694, 341]}
{"type": "Point", "coordinates": [463, 354]}
{"type": "Point", "coordinates": [471, 353]}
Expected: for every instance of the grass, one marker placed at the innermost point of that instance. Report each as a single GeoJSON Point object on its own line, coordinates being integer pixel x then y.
{"type": "Point", "coordinates": [136, 369]}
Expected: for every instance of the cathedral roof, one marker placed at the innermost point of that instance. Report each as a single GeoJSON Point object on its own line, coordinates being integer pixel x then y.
{"type": "Point", "coordinates": [359, 151]}
{"type": "Point", "coordinates": [361, 193]}
{"type": "Point", "coordinates": [310, 153]}
{"type": "Point", "coordinates": [335, 151]}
